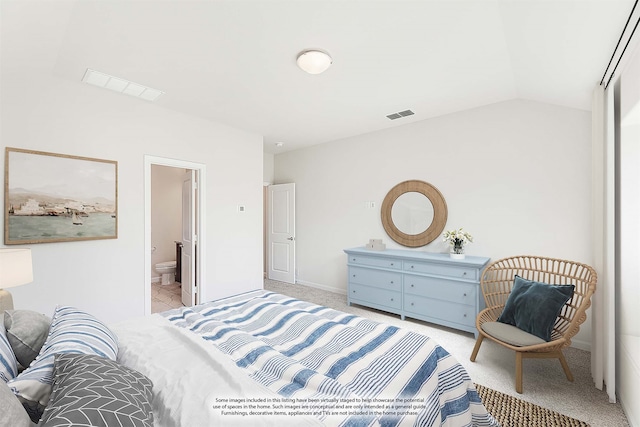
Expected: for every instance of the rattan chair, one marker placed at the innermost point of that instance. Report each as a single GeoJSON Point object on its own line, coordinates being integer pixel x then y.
{"type": "Point", "coordinates": [496, 283]}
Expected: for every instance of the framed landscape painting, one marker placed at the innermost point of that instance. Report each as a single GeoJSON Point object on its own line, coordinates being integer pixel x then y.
{"type": "Point", "coordinates": [52, 197]}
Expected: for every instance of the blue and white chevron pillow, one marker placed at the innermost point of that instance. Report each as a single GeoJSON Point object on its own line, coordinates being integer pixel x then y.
{"type": "Point", "coordinates": [72, 331]}
{"type": "Point", "coordinates": [8, 363]}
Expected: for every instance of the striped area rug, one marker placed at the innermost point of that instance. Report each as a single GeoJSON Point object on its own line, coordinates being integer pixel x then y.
{"type": "Point", "coordinates": [510, 411]}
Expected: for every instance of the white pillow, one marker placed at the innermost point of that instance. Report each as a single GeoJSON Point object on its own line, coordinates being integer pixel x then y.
{"type": "Point", "coordinates": [72, 331]}
{"type": "Point", "coordinates": [8, 362]}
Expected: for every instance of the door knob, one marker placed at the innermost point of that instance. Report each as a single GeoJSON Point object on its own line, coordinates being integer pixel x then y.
{"type": "Point", "coordinates": [290, 238]}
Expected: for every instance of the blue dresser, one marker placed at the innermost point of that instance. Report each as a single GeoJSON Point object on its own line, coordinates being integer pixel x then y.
{"type": "Point", "coordinates": [427, 286]}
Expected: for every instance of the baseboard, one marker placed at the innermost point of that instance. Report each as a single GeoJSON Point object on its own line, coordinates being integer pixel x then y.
{"type": "Point", "coordinates": [322, 287]}
{"type": "Point", "coordinates": [627, 409]}
{"type": "Point", "coordinates": [627, 387]}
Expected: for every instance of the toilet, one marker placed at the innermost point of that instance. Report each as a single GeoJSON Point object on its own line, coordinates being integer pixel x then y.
{"type": "Point", "coordinates": [167, 270]}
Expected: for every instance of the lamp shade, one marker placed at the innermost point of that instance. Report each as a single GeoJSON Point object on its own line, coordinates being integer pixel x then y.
{"type": "Point", "coordinates": [15, 267]}
{"type": "Point", "coordinates": [314, 61]}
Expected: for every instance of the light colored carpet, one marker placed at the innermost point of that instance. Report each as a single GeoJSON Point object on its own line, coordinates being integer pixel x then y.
{"type": "Point", "coordinates": [544, 381]}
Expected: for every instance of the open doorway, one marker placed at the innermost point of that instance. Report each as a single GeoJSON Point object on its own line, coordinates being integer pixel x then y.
{"type": "Point", "coordinates": [179, 240]}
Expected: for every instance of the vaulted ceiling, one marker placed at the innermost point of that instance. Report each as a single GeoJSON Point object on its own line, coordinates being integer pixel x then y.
{"type": "Point", "coordinates": [234, 61]}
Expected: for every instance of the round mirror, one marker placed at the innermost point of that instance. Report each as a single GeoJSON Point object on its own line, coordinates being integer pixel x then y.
{"type": "Point", "coordinates": [414, 213]}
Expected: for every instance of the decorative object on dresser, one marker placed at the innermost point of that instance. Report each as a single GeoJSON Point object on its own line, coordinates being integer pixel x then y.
{"type": "Point", "coordinates": [427, 286]}
{"type": "Point", "coordinates": [375, 245]}
{"type": "Point", "coordinates": [15, 270]}
{"type": "Point", "coordinates": [414, 213]}
{"type": "Point", "coordinates": [519, 293]}
{"type": "Point", "coordinates": [457, 239]}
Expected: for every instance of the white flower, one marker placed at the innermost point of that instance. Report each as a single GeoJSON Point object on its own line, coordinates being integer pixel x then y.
{"type": "Point", "coordinates": [457, 237]}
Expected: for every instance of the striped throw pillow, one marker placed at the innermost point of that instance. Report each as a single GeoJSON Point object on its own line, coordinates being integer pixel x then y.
{"type": "Point", "coordinates": [72, 331]}
{"type": "Point", "coordinates": [8, 363]}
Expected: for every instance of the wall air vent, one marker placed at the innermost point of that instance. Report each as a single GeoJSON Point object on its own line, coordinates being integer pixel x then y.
{"type": "Point", "coordinates": [400, 114]}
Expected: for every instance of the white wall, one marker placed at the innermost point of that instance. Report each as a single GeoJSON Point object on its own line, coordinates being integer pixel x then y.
{"type": "Point", "coordinates": [516, 175]}
{"type": "Point", "coordinates": [268, 168]}
{"type": "Point", "coordinates": [106, 277]}
{"type": "Point", "coordinates": [628, 318]}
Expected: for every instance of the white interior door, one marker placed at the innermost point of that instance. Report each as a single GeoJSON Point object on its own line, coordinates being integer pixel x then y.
{"type": "Point", "coordinates": [282, 232]}
{"type": "Point", "coordinates": [189, 239]}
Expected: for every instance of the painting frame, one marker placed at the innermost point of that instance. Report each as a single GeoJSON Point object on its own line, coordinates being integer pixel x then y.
{"type": "Point", "coordinates": [52, 197]}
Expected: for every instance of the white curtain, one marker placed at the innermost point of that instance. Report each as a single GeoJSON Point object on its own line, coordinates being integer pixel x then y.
{"type": "Point", "coordinates": [603, 354]}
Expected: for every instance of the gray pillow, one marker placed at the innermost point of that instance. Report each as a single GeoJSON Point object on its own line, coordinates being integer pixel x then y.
{"type": "Point", "coordinates": [26, 332]}
{"type": "Point", "coordinates": [13, 414]}
{"type": "Point", "coordinates": [72, 331]}
{"type": "Point", "coordinates": [96, 391]}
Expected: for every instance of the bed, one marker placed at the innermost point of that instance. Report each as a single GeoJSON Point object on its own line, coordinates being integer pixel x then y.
{"type": "Point", "coordinates": [266, 359]}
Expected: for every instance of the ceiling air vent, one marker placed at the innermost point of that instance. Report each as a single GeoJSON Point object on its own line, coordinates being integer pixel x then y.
{"type": "Point", "coordinates": [117, 84]}
{"type": "Point", "coordinates": [400, 114]}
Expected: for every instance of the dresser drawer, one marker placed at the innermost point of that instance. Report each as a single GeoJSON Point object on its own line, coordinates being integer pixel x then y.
{"type": "Point", "coordinates": [457, 272]}
{"type": "Point", "coordinates": [441, 289]}
{"type": "Point", "coordinates": [457, 313]}
{"type": "Point", "coordinates": [377, 296]}
{"type": "Point", "coordinates": [378, 278]}
{"type": "Point", "coordinates": [375, 262]}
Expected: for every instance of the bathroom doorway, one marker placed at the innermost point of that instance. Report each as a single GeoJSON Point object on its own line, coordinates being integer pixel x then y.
{"type": "Point", "coordinates": [178, 220]}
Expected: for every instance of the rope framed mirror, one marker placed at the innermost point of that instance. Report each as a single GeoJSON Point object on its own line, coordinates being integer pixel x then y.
{"type": "Point", "coordinates": [414, 213]}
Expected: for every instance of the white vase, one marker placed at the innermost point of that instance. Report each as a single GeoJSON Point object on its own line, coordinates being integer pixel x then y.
{"type": "Point", "coordinates": [454, 255]}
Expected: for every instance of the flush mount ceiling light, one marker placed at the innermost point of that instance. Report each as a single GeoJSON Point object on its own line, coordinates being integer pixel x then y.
{"type": "Point", "coordinates": [117, 84]}
{"type": "Point", "coordinates": [314, 61]}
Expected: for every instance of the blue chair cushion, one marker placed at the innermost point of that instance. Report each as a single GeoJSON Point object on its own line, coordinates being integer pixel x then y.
{"type": "Point", "coordinates": [534, 306]}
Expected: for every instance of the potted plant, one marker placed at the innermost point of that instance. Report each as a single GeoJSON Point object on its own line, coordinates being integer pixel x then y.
{"type": "Point", "coordinates": [457, 239]}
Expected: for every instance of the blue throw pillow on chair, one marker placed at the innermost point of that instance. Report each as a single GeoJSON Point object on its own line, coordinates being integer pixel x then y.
{"type": "Point", "coordinates": [534, 306]}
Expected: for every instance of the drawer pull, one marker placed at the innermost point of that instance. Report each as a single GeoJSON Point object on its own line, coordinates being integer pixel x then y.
{"type": "Point", "coordinates": [413, 286]}
{"type": "Point", "coordinates": [354, 275]}
{"type": "Point", "coordinates": [464, 274]}
{"type": "Point", "coordinates": [411, 303]}
{"type": "Point", "coordinates": [354, 291]}
{"type": "Point", "coordinates": [391, 299]}
{"type": "Point", "coordinates": [465, 315]}
{"type": "Point", "coordinates": [465, 294]}
{"type": "Point", "coordinates": [412, 266]}
{"type": "Point", "coordinates": [392, 282]}
{"type": "Point", "coordinates": [353, 259]}
{"type": "Point", "coordinates": [392, 264]}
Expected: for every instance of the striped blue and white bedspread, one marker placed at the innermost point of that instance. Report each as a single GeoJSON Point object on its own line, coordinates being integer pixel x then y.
{"type": "Point", "coordinates": [350, 371]}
